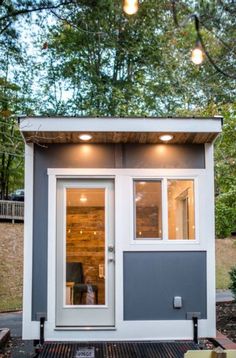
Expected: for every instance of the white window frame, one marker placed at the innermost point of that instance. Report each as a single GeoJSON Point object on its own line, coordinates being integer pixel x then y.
{"type": "Point", "coordinates": [164, 187]}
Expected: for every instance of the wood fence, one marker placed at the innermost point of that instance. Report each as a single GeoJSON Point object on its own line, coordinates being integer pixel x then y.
{"type": "Point", "coordinates": [11, 210]}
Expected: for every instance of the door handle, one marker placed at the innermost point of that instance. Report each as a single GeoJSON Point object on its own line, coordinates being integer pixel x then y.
{"type": "Point", "coordinates": [111, 259]}
{"type": "Point", "coordinates": [111, 248]}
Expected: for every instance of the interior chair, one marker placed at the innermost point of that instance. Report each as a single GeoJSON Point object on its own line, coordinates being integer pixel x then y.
{"type": "Point", "coordinates": [74, 273]}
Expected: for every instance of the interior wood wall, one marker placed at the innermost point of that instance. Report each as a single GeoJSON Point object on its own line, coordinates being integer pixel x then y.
{"type": "Point", "coordinates": [85, 243]}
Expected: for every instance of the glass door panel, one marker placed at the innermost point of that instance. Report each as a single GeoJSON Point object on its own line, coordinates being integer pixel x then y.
{"type": "Point", "coordinates": [85, 246]}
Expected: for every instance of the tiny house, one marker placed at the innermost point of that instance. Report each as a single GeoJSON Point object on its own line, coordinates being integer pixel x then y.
{"type": "Point", "coordinates": [119, 228]}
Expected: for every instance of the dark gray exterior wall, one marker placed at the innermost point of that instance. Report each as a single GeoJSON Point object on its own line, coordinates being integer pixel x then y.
{"type": "Point", "coordinates": [163, 156]}
{"type": "Point", "coordinates": [153, 279]}
{"type": "Point", "coordinates": [92, 156]}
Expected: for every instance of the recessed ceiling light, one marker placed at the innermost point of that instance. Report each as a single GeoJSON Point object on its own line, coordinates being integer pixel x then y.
{"type": "Point", "coordinates": [85, 137]}
{"type": "Point", "coordinates": [166, 137]}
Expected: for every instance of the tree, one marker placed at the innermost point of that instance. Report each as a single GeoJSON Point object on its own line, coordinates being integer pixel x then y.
{"type": "Point", "coordinates": [14, 99]}
{"type": "Point", "coordinates": [225, 174]}
{"type": "Point", "coordinates": [93, 60]}
{"type": "Point", "coordinates": [11, 148]}
{"type": "Point", "coordinates": [11, 10]}
{"type": "Point", "coordinates": [112, 64]}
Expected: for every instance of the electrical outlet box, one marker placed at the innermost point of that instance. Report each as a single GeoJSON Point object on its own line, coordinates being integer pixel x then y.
{"type": "Point", "coordinates": [178, 302]}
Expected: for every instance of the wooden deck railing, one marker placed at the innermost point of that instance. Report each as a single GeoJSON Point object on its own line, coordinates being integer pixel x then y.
{"type": "Point", "coordinates": [13, 210]}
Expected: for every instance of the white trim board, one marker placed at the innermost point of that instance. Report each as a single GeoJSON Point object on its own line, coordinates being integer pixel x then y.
{"type": "Point", "coordinates": [28, 242]}
{"type": "Point", "coordinates": [72, 124]}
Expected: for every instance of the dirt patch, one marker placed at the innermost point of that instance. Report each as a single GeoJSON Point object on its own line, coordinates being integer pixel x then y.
{"type": "Point", "coordinates": [226, 319]}
{"type": "Point", "coordinates": [225, 259]}
{"type": "Point", "coordinates": [11, 266]}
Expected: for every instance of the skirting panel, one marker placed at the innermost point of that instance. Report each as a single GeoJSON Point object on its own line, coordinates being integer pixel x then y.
{"type": "Point", "coordinates": [153, 279]}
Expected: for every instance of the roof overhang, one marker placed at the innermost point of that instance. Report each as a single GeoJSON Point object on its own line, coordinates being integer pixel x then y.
{"type": "Point", "coordinates": [119, 130]}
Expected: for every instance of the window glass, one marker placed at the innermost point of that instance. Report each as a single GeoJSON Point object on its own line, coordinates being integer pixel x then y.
{"type": "Point", "coordinates": [148, 209]}
{"type": "Point", "coordinates": [181, 221]}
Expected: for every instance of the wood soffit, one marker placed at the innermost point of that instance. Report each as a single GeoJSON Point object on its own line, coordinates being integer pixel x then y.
{"type": "Point", "coordinates": [117, 137]}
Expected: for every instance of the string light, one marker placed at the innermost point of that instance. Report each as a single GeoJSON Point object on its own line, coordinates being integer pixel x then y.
{"type": "Point", "coordinates": [130, 7]}
{"type": "Point", "coordinates": [197, 54]}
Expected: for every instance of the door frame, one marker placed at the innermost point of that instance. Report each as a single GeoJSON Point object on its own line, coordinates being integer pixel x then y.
{"type": "Point", "coordinates": [74, 174]}
{"type": "Point", "coordinates": [109, 305]}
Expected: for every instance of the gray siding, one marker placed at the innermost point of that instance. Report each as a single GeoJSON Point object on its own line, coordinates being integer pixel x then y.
{"type": "Point", "coordinates": [163, 156]}
{"type": "Point", "coordinates": [91, 156]}
{"type": "Point", "coordinates": [153, 279]}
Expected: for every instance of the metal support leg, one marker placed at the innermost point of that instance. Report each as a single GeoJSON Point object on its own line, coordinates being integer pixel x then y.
{"type": "Point", "coordinates": [39, 344]}
{"type": "Point", "coordinates": [42, 322]}
{"type": "Point", "coordinates": [195, 330]}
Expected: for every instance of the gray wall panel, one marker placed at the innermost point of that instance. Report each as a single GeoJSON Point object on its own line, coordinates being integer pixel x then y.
{"type": "Point", "coordinates": [152, 279]}
{"type": "Point", "coordinates": [164, 156]}
{"type": "Point", "coordinates": [90, 156]}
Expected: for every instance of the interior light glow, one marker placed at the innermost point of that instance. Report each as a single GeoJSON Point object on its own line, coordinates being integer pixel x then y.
{"type": "Point", "coordinates": [197, 54]}
{"type": "Point", "coordinates": [166, 137]}
{"type": "Point", "coordinates": [130, 7]}
{"type": "Point", "coordinates": [83, 199]}
{"type": "Point", "coordinates": [85, 137]}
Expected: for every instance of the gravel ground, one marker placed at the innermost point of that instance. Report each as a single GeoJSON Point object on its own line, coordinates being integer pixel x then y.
{"type": "Point", "coordinates": [16, 348]}
{"type": "Point", "coordinates": [226, 319]}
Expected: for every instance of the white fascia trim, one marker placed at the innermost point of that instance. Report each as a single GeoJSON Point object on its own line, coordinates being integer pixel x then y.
{"type": "Point", "coordinates": [28, 242]}
{"type": "Point", "coordinates": [158, 125]}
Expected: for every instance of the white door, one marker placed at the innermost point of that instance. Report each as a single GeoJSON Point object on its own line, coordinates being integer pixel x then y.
{"type": "Point", "coordinates": [85, 253]}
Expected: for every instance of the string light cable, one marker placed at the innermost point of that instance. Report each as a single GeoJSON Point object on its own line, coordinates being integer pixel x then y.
{"type": "Point", "coordinates": [210, 59]}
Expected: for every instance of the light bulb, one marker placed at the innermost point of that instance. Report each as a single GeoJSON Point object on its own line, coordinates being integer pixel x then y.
{"type": "Point", "coordinates": [197, 54]}
{"type": "Point", "coordinates": [83, 199]}
{"type": "Point", "coordinates": [166, 137]}
{"type": "Point", "coordinates": [85, 137]}
{"type": "Point", "coordinates": [130, 7]}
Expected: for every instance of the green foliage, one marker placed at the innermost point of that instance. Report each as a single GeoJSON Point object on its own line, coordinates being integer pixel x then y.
{"type": "Point", "coordinates": [14, 99]}
{"type": "Point", "coordinates": [232, 286]}
{"type": "Point", "coordinates": [116, 65]}
{"type": "Point", "coordinates": [11, 144]}
{"type": "Point", "coordinates": [225, 214]}
{"type": "Point", "coordinates": [225, 174]}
